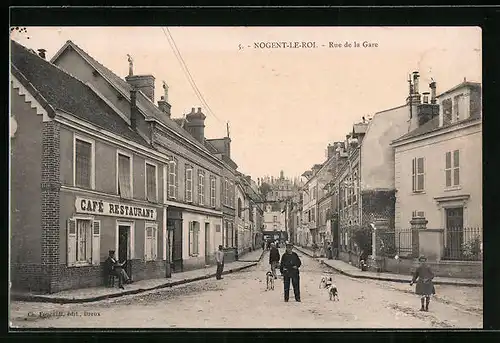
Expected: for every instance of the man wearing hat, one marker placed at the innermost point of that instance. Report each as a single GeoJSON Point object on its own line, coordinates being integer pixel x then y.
{"type": "Point", "coordinates": [425, 286]}
{"type": "Point", "coordinates": [289, 268]}
{"type": "Point", "coordinates": [113, 267]}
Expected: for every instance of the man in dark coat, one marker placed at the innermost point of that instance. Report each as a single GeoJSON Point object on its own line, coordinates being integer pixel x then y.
{"type": "Point", "coordinates": [274, 259]}
{"type": "Point", "coordinates": [113, 267]}
{"type": "Point", "coordinates": [425, 287]}
{"type": "Point", "coordinates": [289, 268]}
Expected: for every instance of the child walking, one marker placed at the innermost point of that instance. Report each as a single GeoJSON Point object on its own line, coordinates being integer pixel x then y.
{"type": "Point", "coordinates": [425, 287]}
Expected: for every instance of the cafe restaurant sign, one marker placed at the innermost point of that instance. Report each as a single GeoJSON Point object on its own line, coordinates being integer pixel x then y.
{"type": "Point", "coordinates": [105, 208]}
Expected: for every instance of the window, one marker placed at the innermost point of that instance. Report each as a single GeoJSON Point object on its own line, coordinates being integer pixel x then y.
{"type": "Point", "coordinates": [83, 245]}
{"type": "Point", "coordinates": [239, 208]}
{"type": "Point", "coordinates": [452, 168]}
{"type": "Point", "coordinates": [189, 184]}
{"type": "Point", "coordinates": [418, 174]}
{"type": "Point", "coordinates": [457, 108]}
{"type": "Point", "coordinates": [151, 242]}
{"type": "Point", "coordinates": [172, 178]}
{"type": "Point", "coordinates": [418, 214]}
{"type": "Point", "coordinates": [231, 194]}
{"type": "Point", "coordinates": [275, 219]}
{"type": "Point", "coordinates": [212, 191]}
{"type": "Point", "coordinates": [125, 176]}
{"type": "Point", "coordinates": [194, 233]}
{"type": "Point", "coordinates": [83, 163]}
{"type": "Point", "coordinates": [151, 182]}
{"type": "Point", "coordinates": [201, 187]}
{"type": "Point", "coordinates": [447, 111]}
{"type": "Point", "coordinates": [355, 187]}
{"type": "Point", "coordinates": [226, 192]}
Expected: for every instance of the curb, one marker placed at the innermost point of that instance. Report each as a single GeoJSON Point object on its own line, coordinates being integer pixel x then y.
{"type": "Point", "coordinates": [381, 278]}
{"type": "Point", "coordinates": [45, 299]}
{"type": "Point", "coordinates": [257, 260]}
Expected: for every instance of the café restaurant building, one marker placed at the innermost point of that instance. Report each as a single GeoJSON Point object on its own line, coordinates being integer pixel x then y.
{"type": "Point", "coordinates": [83, 182]}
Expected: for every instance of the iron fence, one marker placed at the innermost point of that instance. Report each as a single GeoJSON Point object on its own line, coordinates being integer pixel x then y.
{"type": "Point", "coordinates": [463, 244]}
{"type": "Point", "coordinates": [394, 242]}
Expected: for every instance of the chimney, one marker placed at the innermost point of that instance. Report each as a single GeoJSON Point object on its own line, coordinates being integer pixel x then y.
{"type": "Point", "coordinates": [415, 82]}
{"type": "Point", "coordinates": [164, 106]}
{"type": "Point", "coordinates": [330, 151]}
{"type": "Point", "coordinates": [133, 109]}
{"type": "Point", "coordinates": [41, 53]}
{"type": "Point", "coordinates": [432, 86]}
{"type": "Point", "coordinates": [196, 124]}
{"type": "Point", "coordinates": [143, 83]}
{"type": "Point", "coordinates": [425, 97]}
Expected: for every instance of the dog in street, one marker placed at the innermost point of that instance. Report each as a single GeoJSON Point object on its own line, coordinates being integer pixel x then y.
{"type": "Point", "coordinates": [327, 283]}
{"type": "Point", "coordinates": [270, 281]}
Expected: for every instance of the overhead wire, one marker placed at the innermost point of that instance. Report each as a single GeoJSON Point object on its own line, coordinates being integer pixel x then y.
{"type": "Point", "coordinates": [186, 71]}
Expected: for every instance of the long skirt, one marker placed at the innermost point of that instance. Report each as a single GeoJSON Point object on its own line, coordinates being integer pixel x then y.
{"type": "Point", "coordinates": [425, 288]}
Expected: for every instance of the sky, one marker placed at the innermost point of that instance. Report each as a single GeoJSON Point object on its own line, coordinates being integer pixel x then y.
{"type": "Point", "coordinates": [283, 105]}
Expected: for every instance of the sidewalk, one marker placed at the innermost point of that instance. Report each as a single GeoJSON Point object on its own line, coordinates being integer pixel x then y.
{"type": "Point", "coordinates": [84, 295]}
{"type": "Point", "coordinates": [252, 256]}
{"type": "Point", "coordinates": [354, 272]}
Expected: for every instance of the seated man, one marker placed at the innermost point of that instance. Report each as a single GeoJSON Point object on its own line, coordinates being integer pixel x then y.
{"type": "Point", "coordinates": [113, 267]}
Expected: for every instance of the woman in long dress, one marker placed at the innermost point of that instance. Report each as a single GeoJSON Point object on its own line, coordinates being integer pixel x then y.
{"type": "Point", "coordinates": [425, 287]}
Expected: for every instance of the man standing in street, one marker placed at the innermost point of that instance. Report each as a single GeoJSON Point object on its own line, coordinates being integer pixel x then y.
{"type": "Point", "coordinates": [274, 259]}
{"type": "Point", "coordinates": [219, 257]}
{"type": "Point", "coordinates": [289, 268]}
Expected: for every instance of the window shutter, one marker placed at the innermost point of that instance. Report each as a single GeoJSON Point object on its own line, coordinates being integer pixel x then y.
{"type": "Point", "coordinates": [176, 181]}
{"type": "Point", "coordinates": [96, 243]}
{"type": "Point", "coordinates": [190, 238]}
{"type": "Point", "coordinates": [155, 243]}
{"type": "Point", "coordinates": [71, 244]}
{"type": "Point", "coordinates": [147, 244]}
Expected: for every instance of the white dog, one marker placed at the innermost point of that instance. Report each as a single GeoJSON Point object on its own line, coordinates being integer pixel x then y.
{"type": "Point", "coordinates": [327, 282]}
{"type": "Point", "coordinates": [270, 281]}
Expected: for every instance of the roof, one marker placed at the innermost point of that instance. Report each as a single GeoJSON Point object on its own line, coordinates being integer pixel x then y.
{"type": "Point", "coordinates": [465, 84]}
{"type": "Point", "coordinates": [143, 102]}
{"type": "Point", "coordinates": [64, 92]}
{"type": "Point", "coordinates": [431, 126]}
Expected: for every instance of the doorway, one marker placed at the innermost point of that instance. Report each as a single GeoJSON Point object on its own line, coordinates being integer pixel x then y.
{"type": "Point", "coordinates": [124, 246]}
{"type": "Point", "coordinates": [208, 249]}
{"type": "Point", "coordinates": [174, 227]}
{"type": "Point", "coordinates": [454, 232]}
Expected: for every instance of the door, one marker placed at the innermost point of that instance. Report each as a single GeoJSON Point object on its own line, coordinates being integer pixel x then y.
{"type": "Point", "coordinates": [175, 226]}
{"type": "Point", "coordinates": [208, 249]}
{"type": "Point", "coordinates": [124, 247]}
{"type": "Point", "coordinates": [454, 232]}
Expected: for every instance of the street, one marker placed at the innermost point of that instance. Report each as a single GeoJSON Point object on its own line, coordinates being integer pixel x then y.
{"type": "Point", "coordinates": [240, 300]}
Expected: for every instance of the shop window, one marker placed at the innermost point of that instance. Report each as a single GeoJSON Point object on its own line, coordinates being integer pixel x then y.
{"type": "Point", "coordinates": [151, 182]}
{"type": "Point", "coordinates": [151, 242]}
{"type": "Point", "coordinates": [83, 241]}
{"type": "Point", "coordinates": [194, 233]}
{"type": "Point", "coordinates": [124, 176]}
{"type": "Point", "coordinates": [83, 164]}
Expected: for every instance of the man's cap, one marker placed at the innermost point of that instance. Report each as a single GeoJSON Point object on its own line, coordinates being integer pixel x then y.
{"type": "Point", "coordinates": [422, 258]}
{"type": "Point", "coordinates": [288, 244]}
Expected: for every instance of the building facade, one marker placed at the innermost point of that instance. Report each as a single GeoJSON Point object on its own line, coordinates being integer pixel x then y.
{"type": "Point", "coordinates": [438, 163]}
{"type": "Point", "coordinates": [86, 205]}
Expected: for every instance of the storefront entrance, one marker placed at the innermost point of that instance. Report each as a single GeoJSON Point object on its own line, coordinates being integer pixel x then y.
{"type": "Point", "coordinates": [124, 246]}
{"type": "Point", "coordinates": [174, 228]}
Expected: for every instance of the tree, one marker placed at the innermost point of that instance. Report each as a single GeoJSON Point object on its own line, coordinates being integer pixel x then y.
{"type": "Point", "coordinates": [264, 189]}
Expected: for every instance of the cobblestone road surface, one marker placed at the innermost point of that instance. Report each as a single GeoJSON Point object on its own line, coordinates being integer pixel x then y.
{"type": "Point", "coordinates": [241, 301]}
